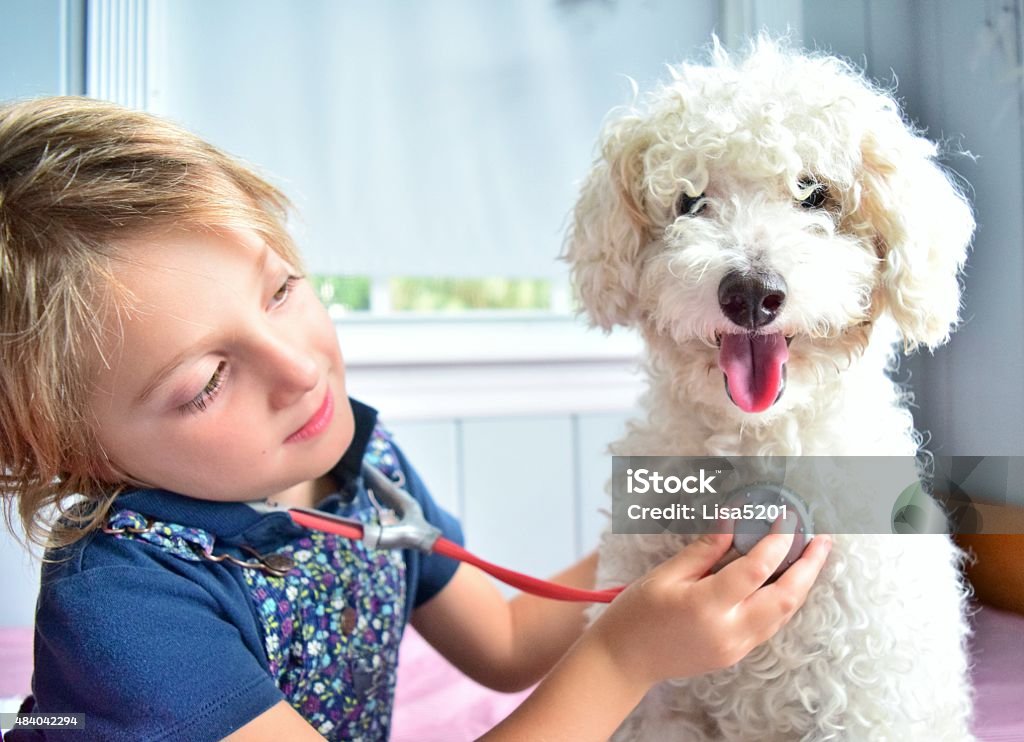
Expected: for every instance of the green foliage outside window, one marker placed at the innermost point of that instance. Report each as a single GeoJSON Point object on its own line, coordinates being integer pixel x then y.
{"type": "Point", "coordinates": [467, 294]}
{"type": "Point", "coordinates": [345, 294]}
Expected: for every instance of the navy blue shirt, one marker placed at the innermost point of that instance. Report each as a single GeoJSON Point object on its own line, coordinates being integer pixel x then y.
{"type": "Point", "coordinates": [157, 643]}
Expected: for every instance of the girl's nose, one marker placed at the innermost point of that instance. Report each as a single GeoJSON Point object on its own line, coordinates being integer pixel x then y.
{"type": "Point", "coordinates": [290, 370]}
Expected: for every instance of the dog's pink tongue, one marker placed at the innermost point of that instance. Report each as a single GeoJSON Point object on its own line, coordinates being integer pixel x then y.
{"type": "Point", "coordinates": [752, 365]}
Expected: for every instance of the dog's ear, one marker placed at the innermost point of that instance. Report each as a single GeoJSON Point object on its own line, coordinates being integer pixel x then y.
{"type": "Point", "coordinates": [923, 227]}
{"type": "Point", "coordinates": [611, 227]}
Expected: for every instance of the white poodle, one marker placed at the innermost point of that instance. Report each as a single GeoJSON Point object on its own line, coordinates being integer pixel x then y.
{"type": "Point", "coordinates": [774, 229]}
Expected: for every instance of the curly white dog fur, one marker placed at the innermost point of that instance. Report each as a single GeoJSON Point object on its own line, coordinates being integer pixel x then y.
{"type": "Point", "coordinates": [774, 230]}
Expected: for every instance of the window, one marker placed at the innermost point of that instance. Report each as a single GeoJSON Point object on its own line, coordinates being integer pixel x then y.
{"type": "Point", "coordinates": [345, 296]}
{"type": "Point", "coordinates": [433, 150]}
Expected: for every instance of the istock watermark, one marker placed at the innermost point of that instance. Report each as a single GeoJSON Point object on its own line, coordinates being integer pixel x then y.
{"type": "Point", "coordinates": [831, 494]}
{"type": "Point", "coordinates": [642, 481]}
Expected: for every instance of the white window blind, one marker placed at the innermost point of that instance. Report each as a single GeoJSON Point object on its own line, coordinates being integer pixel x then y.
{"type": "Point", "coordinates": [417, 138]}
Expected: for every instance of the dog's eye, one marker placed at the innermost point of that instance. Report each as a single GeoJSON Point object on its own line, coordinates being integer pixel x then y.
{"type": "Point", "coordinates": [688, 205]}
{"type": "Point", "coordinates": [817, 198]}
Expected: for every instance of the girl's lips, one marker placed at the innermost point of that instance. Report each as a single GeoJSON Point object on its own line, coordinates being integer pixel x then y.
{"type": "Point", "coordinates": [314, 425]}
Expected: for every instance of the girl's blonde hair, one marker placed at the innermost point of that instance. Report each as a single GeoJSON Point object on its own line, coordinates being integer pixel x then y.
{"type": "Point", "coordinates": [78, 179]}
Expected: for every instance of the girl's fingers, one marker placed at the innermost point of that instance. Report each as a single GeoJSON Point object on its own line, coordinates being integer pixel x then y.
{"type": "Point", "coordinates": [786, 524]}
{"type": "Point", "coordinates": [736, 581]}
{"type": "Point", "coordinates": [773, 605]}
{"type": "Point", "coordinates": [696, 559]}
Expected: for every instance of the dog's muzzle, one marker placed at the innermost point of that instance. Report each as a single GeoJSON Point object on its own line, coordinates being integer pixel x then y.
{"type": "Point", "coordinates": [753, 359]}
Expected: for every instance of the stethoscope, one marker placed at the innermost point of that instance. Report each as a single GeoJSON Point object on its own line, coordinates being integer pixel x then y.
{"type": "Point", "coordinates": [402, 525]}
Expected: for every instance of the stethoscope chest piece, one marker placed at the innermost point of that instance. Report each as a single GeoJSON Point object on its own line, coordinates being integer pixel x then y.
{"type": "Point", "coordinates": [760, 504]}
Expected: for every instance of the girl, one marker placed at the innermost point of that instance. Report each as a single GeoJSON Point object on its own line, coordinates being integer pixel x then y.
{"type": "Point", "coordinates": [164, 362]}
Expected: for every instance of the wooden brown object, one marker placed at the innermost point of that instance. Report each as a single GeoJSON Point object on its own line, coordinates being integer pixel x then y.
{"type": "Point", "coordinates": [998, 570]}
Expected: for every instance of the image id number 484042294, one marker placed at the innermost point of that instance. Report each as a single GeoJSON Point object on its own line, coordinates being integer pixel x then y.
{"type": "Point", "coordinates": [42, 721]}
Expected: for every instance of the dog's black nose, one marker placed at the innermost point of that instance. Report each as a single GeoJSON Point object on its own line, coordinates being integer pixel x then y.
{"type": "Point", "coordinates": [751, 299]}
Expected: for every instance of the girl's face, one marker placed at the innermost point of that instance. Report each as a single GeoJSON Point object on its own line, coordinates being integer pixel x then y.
{"type": "Point", "coordinates": [227, 383]}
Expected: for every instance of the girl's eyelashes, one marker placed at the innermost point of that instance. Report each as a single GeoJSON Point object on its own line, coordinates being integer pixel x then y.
{"type": "Point", "coordinates": [281, 295]}
{"type": "Point", "coordinates": [213, 386]}
{"type": "Point", "coordinates": [199, 402]}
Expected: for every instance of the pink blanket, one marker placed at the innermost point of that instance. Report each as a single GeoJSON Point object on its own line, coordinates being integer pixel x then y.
{"type": "Point", "coordinates": [436, 704]}
{"type": "Point", "coordinates": [15, 662]}
{"type": "Point", "coordinates": [998, 653]}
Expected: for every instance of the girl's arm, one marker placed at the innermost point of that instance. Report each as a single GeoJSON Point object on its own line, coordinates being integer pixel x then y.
{"type": "Point", "coordinates": [674, 622]}
{"type": "Point", "coordinates": [505, 645]}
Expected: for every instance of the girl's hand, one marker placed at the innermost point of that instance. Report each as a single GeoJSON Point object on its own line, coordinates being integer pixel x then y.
{"type": "Point", "coordinates": [677, 622]}
{"type": "Point", "coordinates": [673, 622]}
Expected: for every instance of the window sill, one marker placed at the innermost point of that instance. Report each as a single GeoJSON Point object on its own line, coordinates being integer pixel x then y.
{"type": "Point", "coordinates": [483, 338]}
{"type": "Point", "coordinates": [433, 369]}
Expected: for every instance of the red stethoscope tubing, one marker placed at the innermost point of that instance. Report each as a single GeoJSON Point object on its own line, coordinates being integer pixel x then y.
{"type": "Point", "coordinates": [542, 588]}
{"type": "Point", "coordinates": [443, 546]}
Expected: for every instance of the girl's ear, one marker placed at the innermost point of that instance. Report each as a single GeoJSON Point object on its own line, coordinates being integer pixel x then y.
{"type": "Point", "coordinates": [923, 227]}
{"type": "Point", "coordinates": [610, 228]}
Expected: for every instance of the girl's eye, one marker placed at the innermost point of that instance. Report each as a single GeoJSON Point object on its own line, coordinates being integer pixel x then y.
{"type": "Point", "coordinates": [282, 294]}
{"type": "Point", "coordinates": [199, 402]}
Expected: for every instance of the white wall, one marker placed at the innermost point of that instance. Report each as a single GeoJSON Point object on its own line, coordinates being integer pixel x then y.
{"type": "Point", "coordinates": [36, 58]}
{"type": "Point", "coordinates": [41, 47]}
{"type": "Point", "coordinates": [959, 67]}
{"type": "Point", "coordinates": [528, 490]}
